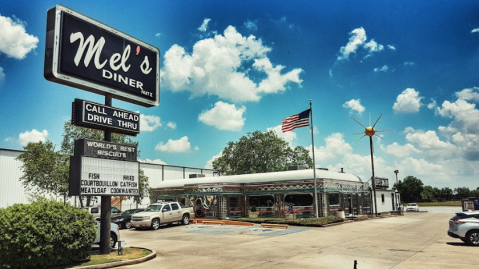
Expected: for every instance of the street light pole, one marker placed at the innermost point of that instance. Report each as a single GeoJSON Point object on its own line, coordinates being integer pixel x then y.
{"type": "Point", "coordinates": [397, 196]}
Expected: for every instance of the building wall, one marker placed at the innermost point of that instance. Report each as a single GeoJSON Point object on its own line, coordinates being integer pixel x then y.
{"type": "Point", "coordinates": [386, 204]}
{"type": "Point", "coordinates": [12, 190]}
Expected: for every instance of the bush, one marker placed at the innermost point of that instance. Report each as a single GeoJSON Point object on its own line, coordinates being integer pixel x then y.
{"type": "Point", "coordinates": [44, 234]}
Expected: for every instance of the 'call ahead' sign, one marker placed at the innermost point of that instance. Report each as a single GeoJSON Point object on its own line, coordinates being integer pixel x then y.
{"type": "Point", "coordinates": [84, 53]}
{"type": "Point", "coordinates": [97, 116]}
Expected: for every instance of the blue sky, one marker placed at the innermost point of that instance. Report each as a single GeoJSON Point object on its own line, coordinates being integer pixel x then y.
{"type": "Point", "coordinates": [233, 67]}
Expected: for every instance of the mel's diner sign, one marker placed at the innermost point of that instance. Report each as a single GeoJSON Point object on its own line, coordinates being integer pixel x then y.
{"type": "Point", "coordinates": [84, 53]}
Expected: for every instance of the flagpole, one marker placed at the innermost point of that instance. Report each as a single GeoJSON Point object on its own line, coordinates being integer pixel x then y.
{"type": "Point", "coordinates": [314, 163]}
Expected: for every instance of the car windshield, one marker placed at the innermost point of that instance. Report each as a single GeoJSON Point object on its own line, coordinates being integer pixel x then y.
{"type": "Point", "coordinates": [411, 205]}
{"type": "Point", "coordinates": [128, 212]}
{"type": "Point", "coordinates": [153, 208]}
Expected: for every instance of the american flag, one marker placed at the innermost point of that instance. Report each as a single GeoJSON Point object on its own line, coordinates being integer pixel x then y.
{"type": "Point", "coordinates": [296, 121]}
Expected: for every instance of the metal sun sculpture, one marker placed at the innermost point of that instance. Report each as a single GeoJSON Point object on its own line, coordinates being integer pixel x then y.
{"type": "Point", "coordinates": [370, 131]}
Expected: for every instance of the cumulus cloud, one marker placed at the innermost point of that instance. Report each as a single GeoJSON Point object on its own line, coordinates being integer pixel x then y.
{"type": "Point", "coordinates": [287, 136]}
{"type": "Point", "coordinates": [155, 161]}
{"type": "Point", "coordinates": [358, 41]}
{"type": "Point", "coordinates": [14, 40]}
{"type": "Point", "coordinates": [32, 136]}
{"type": "Point", "coordinates": [391, 47]}
{"type": "Point", "coordinates": [224, 116]}
{"type": "Point", "coordinates": [475, 30]}
{"type": "Point", "coordinates": [354, 105]}
{"type": "Point", "coordinates": [217, 66]}
{"type": "Point", "coordinates": [204, 25]}
{"type": "Point", "coordinates": [401, 151]}
{"type": "Point", "coordinates": [407, 102]}
{"type": "Point", "coordinates": [471, 94]}
{"type": "Point", "coordinates": [174, 146]}
{"type": "Point", "coordinates": [157, 34]}
{"type": "Point", "coordinates": [149, 123]}
{"type": "Point", "coordinates": [171, 125]}
{"type": "Point", "coordinates": [209, 163]}
{"type": "Point", "coordinates": [335, 146]}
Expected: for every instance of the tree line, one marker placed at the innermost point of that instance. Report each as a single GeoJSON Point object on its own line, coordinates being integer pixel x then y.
{"type": "Point", "coordinates": [412, 189]}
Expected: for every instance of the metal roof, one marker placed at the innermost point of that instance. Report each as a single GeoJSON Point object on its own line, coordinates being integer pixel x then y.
{"type": "Point", "coordinates": [294, 175]}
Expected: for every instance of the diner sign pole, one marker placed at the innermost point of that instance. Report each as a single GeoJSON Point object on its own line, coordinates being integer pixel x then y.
{"type": "Point", "coordinates": [105, 216]}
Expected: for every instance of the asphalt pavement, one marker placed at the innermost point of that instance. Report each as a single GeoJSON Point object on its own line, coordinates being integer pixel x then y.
{"type": "Point", "coordinates": [414, 240]}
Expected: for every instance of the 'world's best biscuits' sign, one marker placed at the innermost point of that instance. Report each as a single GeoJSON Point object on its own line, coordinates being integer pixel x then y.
{"type": "Point", "coordinates": [84, 53]}
{"type": "Point", "coordinates": [93, 115]}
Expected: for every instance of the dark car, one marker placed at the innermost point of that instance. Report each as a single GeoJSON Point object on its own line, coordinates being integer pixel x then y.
{"type": "Point", "coordinates": [124, 220]}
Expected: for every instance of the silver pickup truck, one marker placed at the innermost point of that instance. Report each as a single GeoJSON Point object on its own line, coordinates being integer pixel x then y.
{"type": "Point", "coordinates": [162, 213]}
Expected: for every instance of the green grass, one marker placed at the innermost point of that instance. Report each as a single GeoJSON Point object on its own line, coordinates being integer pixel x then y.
{"type": "Point", "coordinates": [128, 254]}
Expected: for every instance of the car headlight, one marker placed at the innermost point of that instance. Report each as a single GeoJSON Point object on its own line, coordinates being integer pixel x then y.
{"type": "Point", "coordinates": [146, 218]}
{"type": "Point", "coordinates": [118, 220]}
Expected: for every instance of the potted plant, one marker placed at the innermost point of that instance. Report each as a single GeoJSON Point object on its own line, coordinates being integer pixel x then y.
{"type": "Point", "coordinates": [252, 214]}
{"type": "Point", "coordinates": [291, 214]}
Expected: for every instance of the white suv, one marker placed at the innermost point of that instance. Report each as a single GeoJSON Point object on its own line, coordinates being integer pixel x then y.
{"type": "Point", "coordinates": [465, 226]}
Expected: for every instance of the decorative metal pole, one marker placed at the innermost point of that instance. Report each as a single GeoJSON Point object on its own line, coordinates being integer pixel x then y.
{"type": "Point", "coordinates": [105, 214]}
{"type": "Point", "coordinates": [373, 178]}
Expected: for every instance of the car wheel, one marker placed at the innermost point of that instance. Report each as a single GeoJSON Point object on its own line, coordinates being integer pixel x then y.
{"type": "Point", "coordinates": [472, 238]}
{"type": "Point", "coordinates": [128, 224]}
{"type": "Point", "coordinates": [155, 224]}
{"type": "Point", "coordinates": [113, 240]}
{"type": "Point", "coordinates": [186, 219]}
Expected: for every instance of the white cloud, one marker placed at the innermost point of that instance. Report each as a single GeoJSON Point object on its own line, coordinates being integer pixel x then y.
{"type": "Point", "coordinates": [14, 41]}
{"type": "Point", "coordinates": [288, 136]}
{"type": "Point", "coordinates": [391, 47]}
{"type": "Point", "coordinates": [354, 105]}
{"type": "Point", "coordinates": [471, 94]}
{"type": "Point", "coordinates": [217, 67]}
{"type": "Point", "coordinates": [430, 144]}
{"type": "Point", "coordinates": [204, 25]}
{"type": "Point", "coordinates": [475, 30]}
{"type": "Point", "coordinates": [432, 105]}
{"type": "Point", "coordinates": [465, 115]}
{"type": "Point", "coordinates": [33, 136]}
{"type": "Point", "coordinates": [224, 116]}
{"type": "Point", "coordinates": [174, 146]}
{"type": "Point", "coordinates": [155, 161]}
{"type": "Point", "coordinates": [335, 146]}
{"type": "Point", "coordinates": [409, 63]}
{"type": "Point", "coordinates": [401, 151]}
{"type": "Point", "coordinates": [407, 102]}
{"type": "Point", "coordinates": [358, 41]}
{"type": "Point", "coordinates": [149, 123]}
{"type": "Point", "coordinates": [209, 163]}
{"type": "Point", "coordinates": [171, 125]}
{"type": "Point", "coordinates": [382, 69]}
{"type": "Point", "coordinates": [253, 26]}
{"type": "Point", "coordinates": [157, 34]}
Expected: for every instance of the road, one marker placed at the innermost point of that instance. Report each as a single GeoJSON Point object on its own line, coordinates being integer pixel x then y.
{"type": "Point", "coordinates": [415, 240]}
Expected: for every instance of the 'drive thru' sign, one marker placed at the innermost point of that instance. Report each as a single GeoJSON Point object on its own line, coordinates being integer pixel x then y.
{"type": "Point", "coordinates": [86, 54]}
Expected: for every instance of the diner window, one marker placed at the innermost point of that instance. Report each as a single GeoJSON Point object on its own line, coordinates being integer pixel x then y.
{"type": "Point", "coordinates": [299, 199]}
{"type": "Point", "coordinates": [333, 198]}
{"type": "Point", "coordinates": [382, 198]}
{"type": "Point", "coordinates": [261, 201]}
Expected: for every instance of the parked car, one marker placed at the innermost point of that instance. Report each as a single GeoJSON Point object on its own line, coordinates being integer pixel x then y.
{"type": "Point", "coordinates": [465, 226]}
{"type": "Point", "coordinates": [96, 211]}
{"type": "Point", "coordinates": [124, 220]}
{"type": "Point", "coordinates": [412, 207]}
{"type": "Point", "coordinates": [162, 213]}
{"type": "Point", "coordinates": [114, 234]}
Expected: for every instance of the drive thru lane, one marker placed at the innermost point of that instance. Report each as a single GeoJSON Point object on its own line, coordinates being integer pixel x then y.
{"type": "Point", "coordinates": [415, 240]}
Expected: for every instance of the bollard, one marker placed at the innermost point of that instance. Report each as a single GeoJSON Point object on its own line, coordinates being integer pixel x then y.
{"type": "Point", "coordinates": [355, 264]}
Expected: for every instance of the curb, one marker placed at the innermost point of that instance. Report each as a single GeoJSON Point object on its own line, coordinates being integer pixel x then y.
{"type": "Point", "coordinates": [122, 263]}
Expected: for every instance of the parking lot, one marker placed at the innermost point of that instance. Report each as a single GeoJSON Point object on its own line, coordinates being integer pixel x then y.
{"type": "Point", "coordinates": [415, 240]}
